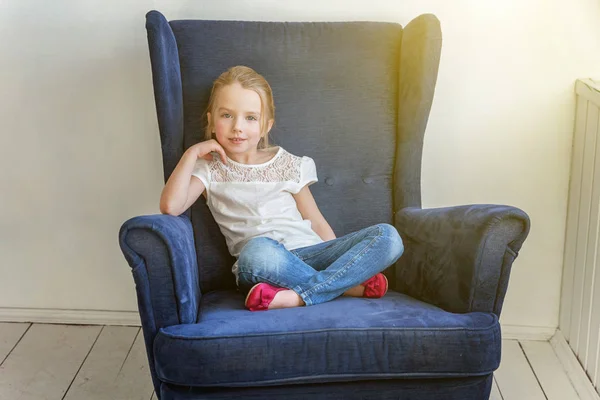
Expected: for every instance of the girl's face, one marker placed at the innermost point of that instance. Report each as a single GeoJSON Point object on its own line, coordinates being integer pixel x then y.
{"type": "Point", "coordinates": [236, 119]}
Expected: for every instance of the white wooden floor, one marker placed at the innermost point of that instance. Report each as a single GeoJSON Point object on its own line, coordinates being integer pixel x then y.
{"type": "Point", "coordinates": [46, 361]}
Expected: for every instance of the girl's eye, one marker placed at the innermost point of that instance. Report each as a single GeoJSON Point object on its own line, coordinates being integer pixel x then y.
{"type": "Point", "coordinates": [227, 115]}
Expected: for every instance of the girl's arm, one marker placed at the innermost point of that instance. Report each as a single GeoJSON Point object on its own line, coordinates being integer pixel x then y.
{"type": "Point", "coordinates": [177, 194]}
{"type": "Point", "coordinates": [181, 189]}
{"type": "Point", "coordinates": [309, 210]}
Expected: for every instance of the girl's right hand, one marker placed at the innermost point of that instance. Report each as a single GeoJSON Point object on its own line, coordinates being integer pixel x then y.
{"type": "Point", "coordinates": [203, 150]}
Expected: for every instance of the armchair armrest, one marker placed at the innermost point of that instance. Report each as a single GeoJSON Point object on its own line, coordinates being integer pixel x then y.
{"type": "Point", "coordinates": [160, 251]}
{"type": "Point", "coordinates": [459, 258]}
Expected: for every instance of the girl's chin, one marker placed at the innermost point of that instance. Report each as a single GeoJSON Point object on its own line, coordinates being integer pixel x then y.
{"type": "Point", "coordinates": [237, 149]}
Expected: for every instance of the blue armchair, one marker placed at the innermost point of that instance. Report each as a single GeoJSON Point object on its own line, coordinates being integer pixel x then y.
{"type": "Point", "coordinates": [354, 96]}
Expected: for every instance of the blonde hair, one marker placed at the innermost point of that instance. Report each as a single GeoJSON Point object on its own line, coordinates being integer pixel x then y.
{"type": "Point", "coordinates": [248, 79]}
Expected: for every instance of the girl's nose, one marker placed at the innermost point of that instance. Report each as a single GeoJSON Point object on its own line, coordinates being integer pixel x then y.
{"type": "Point", "coordinates": [237, 125]}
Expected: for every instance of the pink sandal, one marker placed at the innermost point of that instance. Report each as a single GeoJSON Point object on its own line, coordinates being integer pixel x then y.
{"type": "Point", "coordinates": [260, 296]}
{"type": "Point", "coordinates": [375, 287]}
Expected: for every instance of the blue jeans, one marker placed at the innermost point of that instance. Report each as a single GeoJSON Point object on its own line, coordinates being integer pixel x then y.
{"type": "Point", "coordinates": [323, 271]}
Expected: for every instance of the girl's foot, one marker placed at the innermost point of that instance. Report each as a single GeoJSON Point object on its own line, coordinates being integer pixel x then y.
{"type": "Point", "coordinates": [286, 299]}
{"type": "Point", "coordinates": [376, 287]}
{"type": "Point", "coordinates": [356, 291]}
{"type": "Point", "coordinates": [263, 297]}
{"type": "Point", "coordinates": [373, 288]}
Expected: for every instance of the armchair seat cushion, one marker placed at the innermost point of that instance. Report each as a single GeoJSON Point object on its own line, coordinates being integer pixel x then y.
{"type": "Point", "coordinates": [345, 339]}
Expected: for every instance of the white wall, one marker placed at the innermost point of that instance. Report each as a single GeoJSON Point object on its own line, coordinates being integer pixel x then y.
{"type": "Point", "coordinates": [80, 150]}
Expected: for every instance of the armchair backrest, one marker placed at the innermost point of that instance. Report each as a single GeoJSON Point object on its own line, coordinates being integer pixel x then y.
{"type": "Point", "coordinates": [354, 96]}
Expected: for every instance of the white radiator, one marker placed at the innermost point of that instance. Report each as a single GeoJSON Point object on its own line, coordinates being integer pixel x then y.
{"type": "Point", "coordinates": [580, 298]}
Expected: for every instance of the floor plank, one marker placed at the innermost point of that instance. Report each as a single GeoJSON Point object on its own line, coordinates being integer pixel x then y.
{"type": "Point", "coordinates": [549, 371]}
{"type": "Point", "coordinates": [115, 369]}
{"type": "Point", "coordinates": [10, 334]}
{"type": "Point", "coordinates": [43, 364]}
{"type": "Point", "coordinates": [495, 394]}
{"type": "Point", "coordinates": [515, 377]}
{"type": "Point", "coordinates": [135, 376]}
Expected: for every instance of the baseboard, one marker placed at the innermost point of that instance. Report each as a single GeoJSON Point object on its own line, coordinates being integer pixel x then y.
{"type": "Point", "coordinates": [76, 317]}
{"type": "Point", "coordinates": [576, 373]}
{"type": "Point", "coordinates": [524, 332]}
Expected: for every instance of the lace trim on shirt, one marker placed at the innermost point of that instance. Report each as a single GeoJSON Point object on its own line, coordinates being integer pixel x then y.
{"type": "Point", "coordinates": [286, 167]}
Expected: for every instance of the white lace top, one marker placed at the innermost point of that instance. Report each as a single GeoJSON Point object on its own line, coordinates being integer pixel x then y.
{"type": "Point", "coordinates": [255, 200]}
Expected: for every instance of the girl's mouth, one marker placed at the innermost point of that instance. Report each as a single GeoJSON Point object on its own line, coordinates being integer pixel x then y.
{"type": "Point", "coordinates": [237, 141]}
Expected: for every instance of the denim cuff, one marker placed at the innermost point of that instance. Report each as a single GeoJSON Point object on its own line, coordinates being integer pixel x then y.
{"type": "Point", "coordinates": [306, 297]}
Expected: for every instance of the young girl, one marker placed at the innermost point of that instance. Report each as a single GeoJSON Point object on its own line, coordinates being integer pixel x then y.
{"type": "Point", "coordinates": [287, 254]}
